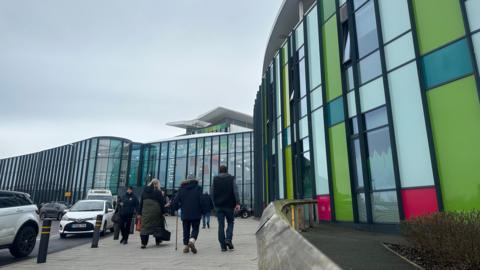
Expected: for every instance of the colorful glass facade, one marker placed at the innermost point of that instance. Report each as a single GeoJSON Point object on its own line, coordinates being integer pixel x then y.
{"type": "Point", "coordinates": [372, 108]}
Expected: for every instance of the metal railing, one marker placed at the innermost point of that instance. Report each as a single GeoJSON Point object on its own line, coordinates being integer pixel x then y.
{"type": "Point", "coordinates": [300, 214]}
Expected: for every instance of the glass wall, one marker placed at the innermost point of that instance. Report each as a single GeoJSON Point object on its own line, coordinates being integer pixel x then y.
{"type": "Point", "coordinates": [363, 92]}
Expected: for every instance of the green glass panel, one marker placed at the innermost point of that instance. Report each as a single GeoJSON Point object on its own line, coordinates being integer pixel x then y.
{"type": "Point", "coordinates": [289, 171]}
{"type": "Point", "coordinates": [447, 64]}
{"type": "Point", "coordinates": [328, 8]}
{"type": "Point", "coordinates": [331, 59]}
{"type": "Point", "coordinates": [285, 90]}
{"type": "Point", "coordinates": [335, 112]}
{"type": "Point", "coordinates": [340, 174]}
{"type": "Point", "coordinates": [455, 118]}
{"type": "Point", "coordinates": [438, 22]}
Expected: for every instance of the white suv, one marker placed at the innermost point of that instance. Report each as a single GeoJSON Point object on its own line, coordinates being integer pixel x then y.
{"type": "Point", "coordinates": [19, 223]}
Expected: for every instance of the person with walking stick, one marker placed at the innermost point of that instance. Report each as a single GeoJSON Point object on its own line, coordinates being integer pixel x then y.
{"type": "Point", "coordinates": [188, 200]}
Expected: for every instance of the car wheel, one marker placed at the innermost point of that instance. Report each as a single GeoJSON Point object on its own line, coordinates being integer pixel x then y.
{"type": "Point", "coordinates": [24, 242]}
{"type": "Point", "coordinates": [43, 216]}
{"type": "Point", "coordinates": [245, 214]}
{"type": "Point", "coordinates": [59, 216]}
{"type": "Point", "coordinates": [63, 235]}
{"type": "Point", "coordinates": [104, 230]}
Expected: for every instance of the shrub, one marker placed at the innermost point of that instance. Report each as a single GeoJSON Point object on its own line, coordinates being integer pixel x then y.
{"type": "Point", "coordinates": [449, 239]}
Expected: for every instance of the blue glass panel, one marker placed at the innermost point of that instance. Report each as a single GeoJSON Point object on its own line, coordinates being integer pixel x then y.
{"type": "Point", "coordinates": [447, 64]}
{"type": "Point", "coordinates": [335, 112]}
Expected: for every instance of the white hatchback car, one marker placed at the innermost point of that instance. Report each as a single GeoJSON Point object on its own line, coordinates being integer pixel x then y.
{"type": "Point", "coordinates": [81, 217]}
{"type": "Point", "coordinates": [19, 223]}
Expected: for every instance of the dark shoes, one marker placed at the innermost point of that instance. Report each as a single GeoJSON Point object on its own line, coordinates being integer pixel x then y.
{"type": "Point", "coordinates": [143, 247]}
{"type": "Point", "coordinates": [229, 244]}
{"type": "Point", "coordinates": [208, 225]}
{"type": "Point", "coordinates": [158, 243]}
{"type": "Point", "coordinates": [224, 249]}
{"type": "Point", "coordinates": [125, 242]}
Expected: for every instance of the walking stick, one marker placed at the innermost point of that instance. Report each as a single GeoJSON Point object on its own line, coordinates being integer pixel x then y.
{"type": "Point", "coordinates": [176, 233]}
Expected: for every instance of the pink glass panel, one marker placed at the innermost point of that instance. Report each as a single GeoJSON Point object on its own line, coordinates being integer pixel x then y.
{"type": "Point", "coordinates": [419, 201]}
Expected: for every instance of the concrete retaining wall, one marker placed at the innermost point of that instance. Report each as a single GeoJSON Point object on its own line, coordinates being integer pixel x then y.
{"type": "Point", "coordinates": [280, 247]}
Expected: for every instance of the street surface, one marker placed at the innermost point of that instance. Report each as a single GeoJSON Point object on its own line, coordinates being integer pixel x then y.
{"type": "Point", "coordinates": [55, 244]}
{"type": "Point", "coordinates": [111, 254]}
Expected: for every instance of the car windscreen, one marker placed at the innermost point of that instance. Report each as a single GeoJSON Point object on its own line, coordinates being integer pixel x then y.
{"type": "Point", "coordinates": [84, 206]}
{"type": "Point", "coordinates": [100, 197]}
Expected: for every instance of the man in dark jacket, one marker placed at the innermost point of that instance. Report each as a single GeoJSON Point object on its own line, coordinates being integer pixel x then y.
{"type": "Point", "coordinates": [225, 197]}
{"type": "Point", "coordinates": [128, 207]}
{"type": "Point", "coordinates": [188, 199]}
{"type": "Point", "coordinates": [207, 207]}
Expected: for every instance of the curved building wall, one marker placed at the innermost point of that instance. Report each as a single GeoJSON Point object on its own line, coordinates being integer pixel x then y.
{"type": "Point", "coordinates": [67, 172]}
{"type": "Point", "coordinates": [372, 108]}
{"type": "Point", "coordinates": [171, 161]}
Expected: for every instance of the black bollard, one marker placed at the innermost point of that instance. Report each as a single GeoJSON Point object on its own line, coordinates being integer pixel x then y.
{"type": "Point", "coordinates": [44, 238]}
{"type": "Point", "coordinates": [96, 231]}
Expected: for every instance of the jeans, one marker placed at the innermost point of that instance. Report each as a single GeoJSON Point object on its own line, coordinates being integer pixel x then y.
{"type": "Point", "coordinates": [194, 225]}
{"type": "Point", "coordinates": [125, 223]}
{"type": "Point", "coordinates": [206, 220]}
{"type": "Point", "coordinates": [222, 214]}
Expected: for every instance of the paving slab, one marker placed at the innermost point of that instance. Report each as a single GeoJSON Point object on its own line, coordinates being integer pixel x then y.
{"type": "Point", "coordinates": [356, 249]}
{"type": "Point", "coordinates": [111, 254]}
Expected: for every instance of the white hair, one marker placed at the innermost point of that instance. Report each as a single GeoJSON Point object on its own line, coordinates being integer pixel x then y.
{"type": "Point", "coordinates": [155, 183]}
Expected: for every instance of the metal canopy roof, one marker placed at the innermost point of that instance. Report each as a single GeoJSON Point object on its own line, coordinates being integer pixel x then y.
{"type": "Point", "coordinates": [215, 116]}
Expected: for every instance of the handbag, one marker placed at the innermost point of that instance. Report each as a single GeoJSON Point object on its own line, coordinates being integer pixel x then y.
{"type": "Point", "coordinates": [116, 218]}
{"type": "Point", "coordinates": [166, 234]}
{"type": "Point", "coordinates": [138, 224]}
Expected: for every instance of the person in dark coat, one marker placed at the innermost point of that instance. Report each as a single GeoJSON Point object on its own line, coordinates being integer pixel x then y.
{"type": "Point", "coordinates": [188, 199]}
{"type": "Point", "coordinates": [128, 206]}
{"type": "Point", "coordinates": [207, 207]}
{"type": "Point", "coordinates": [152, 208]}
{"type": "Point", "coordinates": [225, 197]}
{"type": "Point", "coordinates": [116, 218]}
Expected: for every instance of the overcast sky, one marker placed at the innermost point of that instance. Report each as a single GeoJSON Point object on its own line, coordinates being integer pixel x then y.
{"type": "Point", "coordinates": [70, 70]}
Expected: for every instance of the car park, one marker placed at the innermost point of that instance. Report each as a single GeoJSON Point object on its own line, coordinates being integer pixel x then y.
{"type": "Point", "coordinates": [81, 217]}
{"type": "Point", "coordinates": [52, 210]}
{"type": "Point", "coordinates": [19, 223]}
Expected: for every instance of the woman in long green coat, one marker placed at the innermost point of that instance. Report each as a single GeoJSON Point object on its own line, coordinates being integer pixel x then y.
{"type": "Point", "coordinates": [152, 208]}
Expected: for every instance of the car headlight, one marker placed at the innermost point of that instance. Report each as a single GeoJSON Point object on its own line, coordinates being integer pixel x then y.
{"type": "Point", "coordinates": [64, 217]}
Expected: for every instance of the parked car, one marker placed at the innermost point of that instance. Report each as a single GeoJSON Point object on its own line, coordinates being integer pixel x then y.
{"type": "Point", "coordinates": [19, 223]}
{"type": "Point", "coordinates": [81, 217]}
{"type": "Point", "coordinates": [244, 212]}
{"type": "Point", "coordinates": [52, 210]}
{"type": "Point", "coordinates": [100, 194]}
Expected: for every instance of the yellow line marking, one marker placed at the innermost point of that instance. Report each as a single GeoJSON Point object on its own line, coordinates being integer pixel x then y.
{"type": "Point", "coordinates": [45, 232]}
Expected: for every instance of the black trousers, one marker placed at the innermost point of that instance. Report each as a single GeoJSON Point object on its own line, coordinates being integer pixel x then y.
{"type": "Point", "coordinates": [194, 225]}
{"type": "Point", "coordinates": [144, 239]}
{"type": "Point", "coordinates": [125, 223]}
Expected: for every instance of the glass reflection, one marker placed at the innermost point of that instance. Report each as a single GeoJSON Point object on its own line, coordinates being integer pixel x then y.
{"type": "Point", "coordinates": [366, 26]}
{"type": "Point", "coordinates": [370, 67]}
{"type": "Point", "coordinates": [380, 160]}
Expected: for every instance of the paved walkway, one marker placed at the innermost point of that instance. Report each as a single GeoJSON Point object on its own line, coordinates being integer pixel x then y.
{"type": "Point", "coordinates": [355, 249]}
{"type": "Point", "coordinates": [112, 255]}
